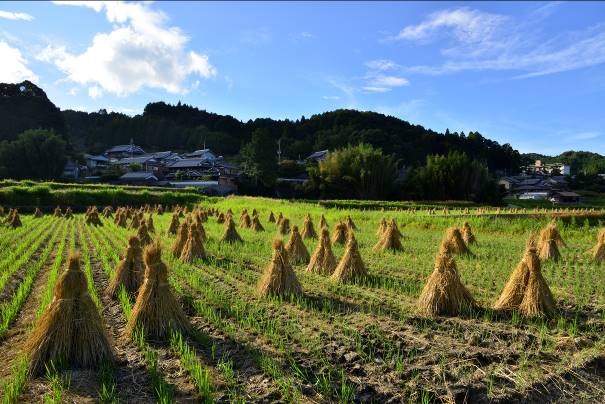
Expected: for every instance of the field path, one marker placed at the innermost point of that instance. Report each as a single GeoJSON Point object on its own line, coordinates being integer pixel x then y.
{"type": "Point", "coordinates": [10, 348]}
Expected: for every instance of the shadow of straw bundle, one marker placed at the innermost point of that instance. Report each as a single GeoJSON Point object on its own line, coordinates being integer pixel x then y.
{"type": "Point", "coordinates": [453, 243]}
{"type": "Point", "coordinates": [230, 235]}
{"type": "Point", "coordinates": [129, 271]}
{"type": "Point", "coordinates": [156, 309]}
{"type": "Point", "coordinates": [323, 261]}
{"type": "Point", "coordinates": [193, 249]}
{"type": "Point", "coordinates": [297, 251]}
{"type": "Point", "coordinates": [444, 294]}
{"type": "Point", "coordinates": [278, 278]}
{"type": "Point", "coordinates": [70, 330]}
{"type": "Point", "coordinates": [308, 228]}
{"type": "Point", "coordinates": [351, 266]}
{"type": "Point", "coordinates": [339, 235]}
{"type": "Point", "coordinates": [390, 239]}
{"type": "Point", "coordinates": [467, 234]}
{"type": "Point", "coordinates": [283, 226]}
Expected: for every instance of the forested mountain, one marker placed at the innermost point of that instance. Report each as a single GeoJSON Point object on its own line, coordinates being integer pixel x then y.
{"type": "Point", "coordinates": [25, 106]}
{"type": "Point", "coordinates": [183, 127]}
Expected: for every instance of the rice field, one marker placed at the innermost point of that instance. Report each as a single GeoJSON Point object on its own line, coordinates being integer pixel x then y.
{"type": "Point", "coordinates": [358, 341]}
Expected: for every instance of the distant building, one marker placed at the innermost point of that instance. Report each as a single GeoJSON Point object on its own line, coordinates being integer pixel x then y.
{"type": "Point", "coordinates": [71, 170]}
{"type": "Point", "coordinates": [147, 162]}
{"type": "Point", "coordinates": [540, 167]}
{"type": "Point", "coordinates": [123, 150]}
{"type": "Point", "coordinates": [565, 197]}
{"type": "Point", "coordinates": [139, 178]}
{"type": "Point", "coordinates": [204, 154]}
{"type": "Point", "coordinates": [318, 156]}
{"type": "Point", "coordinates": [93, 162]}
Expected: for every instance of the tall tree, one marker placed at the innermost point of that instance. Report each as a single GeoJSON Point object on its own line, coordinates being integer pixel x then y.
{"type": "Point", "coordinates": [259, 160]}
{"type": "Point", "coordinates": [35, 154]}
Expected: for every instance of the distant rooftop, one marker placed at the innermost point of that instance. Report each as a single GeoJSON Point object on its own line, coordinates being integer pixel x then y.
{"type": "Point", "coordinates": [125, 148]}
{"type": "Point", "coordinates": [139, 175]}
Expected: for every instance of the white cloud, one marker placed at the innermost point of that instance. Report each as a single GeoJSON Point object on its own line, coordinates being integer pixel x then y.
{"type": "Point", "coordinates": [465, 24]}
{"type": "Point", "coordinates": [13, 68]}
{"type": "Point", "coordinates": [331, 97]}
{"type": "Point", "coordinates": [389, 81]}
{"type": "Point", "coordinates": [140, 51]}
{"type": "Point", "coordinates": [382, 64]}
{"type": "Point", "coordinates": [374, 89]}
{"type": "Point", "coordinates": [11, 15]}
{"type": "Point", "coordinates": [483, 41]}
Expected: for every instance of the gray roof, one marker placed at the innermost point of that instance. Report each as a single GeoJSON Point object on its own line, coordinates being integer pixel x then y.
{"type": "Point", "coordinates": [203, 153]}
{"type": "Point", "coordinates": [188, 163]}
{"type": "Point", "coordinates": [318, 155]}
{"type": "Point", "coordinates": [125, 148]}
{"type": "Point", "coordinates": [139, 175]}
{"type": "Point", "coordinates": [163, 155]}
{"type": "Point", "coordinates": [136, 160]}
{"type": "Point", "coordinates": [95, 158]}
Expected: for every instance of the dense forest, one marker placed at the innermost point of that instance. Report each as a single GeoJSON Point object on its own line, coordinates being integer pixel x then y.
{"type": "Point", "coordinates": [183, 127]}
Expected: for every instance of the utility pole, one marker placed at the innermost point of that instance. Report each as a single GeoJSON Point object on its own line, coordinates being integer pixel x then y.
{"type": "Point", "coordinates": [279, 150]}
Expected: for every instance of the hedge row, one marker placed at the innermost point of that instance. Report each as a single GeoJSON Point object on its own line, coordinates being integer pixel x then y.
{"type": "Point", "coordinates": [44, 195]}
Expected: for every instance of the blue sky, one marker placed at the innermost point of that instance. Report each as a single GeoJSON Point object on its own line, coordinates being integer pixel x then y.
{"type": "Point", "coordinates": [528, 73]}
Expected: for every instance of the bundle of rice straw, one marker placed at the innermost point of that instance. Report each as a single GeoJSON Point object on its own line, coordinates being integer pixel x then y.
{"type": "Point", "coordinates": [143, 235]}
{"type": "Point", "coordinates": [280, 217]}
{"type": "Point", "coordinates": [14, 220]}
{"type": "Point", "coordinates": [271, 217]}
{"type": "Point", "coordinates": [323, 222]}
{"type": "Point", "coordinates": [180, 240]}
{"type": "Point", "coordinates": [38, 213]}
{"type": "Point", "coordinates": [390, 240]}
{"type": "Point", "coordinates": [350, 223]}
{"type": "Point", "coordinates": [323, 261]}
{"type": "Point", "coordinates": [57, 212]}
{"type": "Point", "coordinates": [230, 234]}
{"type": "Point", "coordinates": [279, 277]}
{"type": "Point", "coordinates": [156, 309]}
{"type": "Point", "coordinates": [395, 227]}
{"type": "Point", "coordinates": [382, 226]}
{"type": "Point", "coordinates": [444, 294]}
{"type": "Point", "coordinates": [467, 234]}
{"type": "Point", "coordinates": [199, 228]}
{"type": "Point", "coordinates": [598, 252]}
{"type": "Point", "coordinates": [283, 226]}
{"type": "Point", "coordinates": [549, 243]}
{"type": "Point", "coordinates": [254, 212]}
{"type": "Point", "coordinates": [244, 221]}
{"type": "Point", "coordinates": [121, 218]}
{"type": "Point", "coordinates": [339, 235]}
{"type": "Point", "coordinates": [70, 330]}
{"type": "Point", "coordinates": [150, 225]}
{"type": "Point", "coordinates": [308, 228]}
{"type": "Point", "coordinates": [107, 212]}
{"type": "Point", "coordinates": [220, 218]}
{"type": "Point", "coordinates": [256, 225]}
{"type": "Point", "coordinates": [453, 242]}
{"type": "Point", "coordinates": [159, 209]}
{"type": "Point", "coordinates": [136, 222]}
{"type": "Point", "coordinates": [350, 266]}
{"type": "Point", "coordinates": [92, 217]}
{"type": "Point", "coordinates": [69, 213]}
{"type": "Point", "coordinates": [527, 290]}
{"type": "Point", "coordinates": [297, 251]}
{"type": "Point", "coordinates": [129, 271]}
{"type": "Point", "coordinates": [174, 224]}
{"type": "Point", "coordinates": [193, 249]}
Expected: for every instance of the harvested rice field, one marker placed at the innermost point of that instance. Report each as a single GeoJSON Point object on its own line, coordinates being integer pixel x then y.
{"type": "Point", "coordinates": [204, 305]}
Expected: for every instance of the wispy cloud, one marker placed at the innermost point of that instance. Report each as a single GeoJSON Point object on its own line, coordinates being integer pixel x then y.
{"type": "Point", "coordinates": [331, 97]}
{"type": "Point", "coordinates": [475, 40]}
{"type": "Point", "coordinates": [381, 65]}
{"type": "Point", "coordinates": [376, 79]}
{"type": "Point", "coordinates": [11, 15]}
{"type": "Point", "coordinates": [585, 135]}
